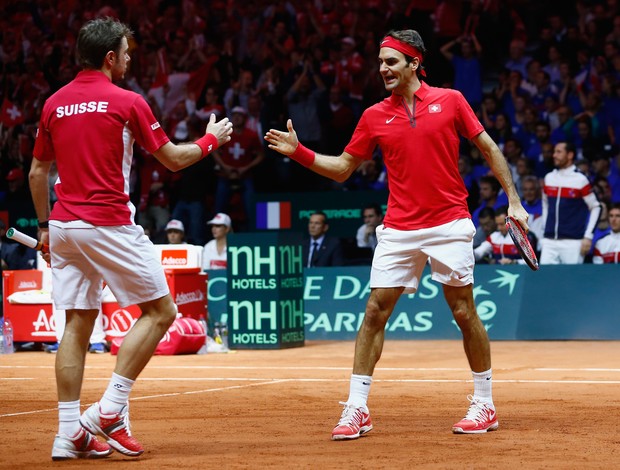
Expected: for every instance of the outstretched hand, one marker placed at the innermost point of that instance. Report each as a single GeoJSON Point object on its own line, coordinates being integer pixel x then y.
{"type": "Point", "coordinates": [222, 130]}
{"type": "Point", "coordinates": [284, 142]}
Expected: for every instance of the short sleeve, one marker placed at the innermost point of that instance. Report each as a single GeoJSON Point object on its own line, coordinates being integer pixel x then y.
{"type": "Point", "coordinates": [43, 147]}
{"type": "Point", "coordinates": [145, 128]}
{"type": "Point", "coordinates": [362, 144]}
{"type": "Point", "coordinates": [468, 124]}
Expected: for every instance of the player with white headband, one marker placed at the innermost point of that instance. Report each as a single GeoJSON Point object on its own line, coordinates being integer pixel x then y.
{"type": "Point", "coordinates": [418, 129]}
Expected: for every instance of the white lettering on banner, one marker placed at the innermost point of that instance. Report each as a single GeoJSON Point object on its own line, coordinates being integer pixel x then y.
{"type": "Point", "coordinates": [170, 261]}
{"type": "Point", "coordinates": [27, 285]}
{"type": "Point", "coordinates": [81, 108]}
{"type": "Point", "coordinates": [311, 285]}
{"type": "Point", "coordinates": [253, 260]}
{"type": "Point", "coordinates": [44, 325]}
{"type": "Point", "coordinates": [254, 338]}
{"type": "Point", "coordinates": [183, 298]}
{"type": "Point", "coordinates": [121, 321]}
{"type": "Point", "coordinates": [254, 314]}
{"type": "Point", "coordinates": [351, 322]}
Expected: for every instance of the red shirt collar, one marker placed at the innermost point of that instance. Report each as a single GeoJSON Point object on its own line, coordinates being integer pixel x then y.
{"type": "Point", "coordinates": [420, 94]}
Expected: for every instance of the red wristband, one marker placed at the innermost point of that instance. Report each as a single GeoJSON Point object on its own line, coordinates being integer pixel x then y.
{"type": "Point", "coordinates": [303, 155]}
{"type": "Point", "coordinates": [207, 143]}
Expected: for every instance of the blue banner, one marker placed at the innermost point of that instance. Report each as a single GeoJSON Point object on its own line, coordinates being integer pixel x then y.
{"type": "Point", "coordinates": [513, 302]}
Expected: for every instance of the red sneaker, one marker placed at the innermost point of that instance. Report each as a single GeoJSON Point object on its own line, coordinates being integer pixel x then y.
{"type": "Point", "coordinates": [480, 417]}
{"type": "Point", "coordinates": [354, 422]}
{"type": "Point", "coordinates": [114, 428]}
{"type": "Point", "coordinates": [83, 446]}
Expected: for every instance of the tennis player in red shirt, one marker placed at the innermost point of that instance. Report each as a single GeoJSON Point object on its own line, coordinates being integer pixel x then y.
{"type": "Point", "coordinates": [89, 127]}
{"type": "Point", "coordinates": [418, 129]}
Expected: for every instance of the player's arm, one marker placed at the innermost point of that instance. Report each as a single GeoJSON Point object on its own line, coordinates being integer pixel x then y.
{"type": "Point", "coordinates": [39, 189]}
{"type": "Point", "coordinates": [336, 168]}
{"type": "Point", "coordinates": [497, 163]}
{"type": "Point", "coordinates": [38, 180]}
{"type": "Point", "coordinates": [176, 157]}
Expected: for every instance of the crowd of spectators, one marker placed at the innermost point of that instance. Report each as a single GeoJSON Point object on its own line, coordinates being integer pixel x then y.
{"type": "Point", "coordinates": [535, 72]}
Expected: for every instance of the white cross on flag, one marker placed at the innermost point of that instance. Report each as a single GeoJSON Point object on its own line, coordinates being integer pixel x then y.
{"type": "Point", "coordinates": [434, 108]}
{"type": "Point", "coordinates": [10, 114]}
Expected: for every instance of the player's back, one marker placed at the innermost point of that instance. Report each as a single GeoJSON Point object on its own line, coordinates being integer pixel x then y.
{"type": "Point", "coordinates": [88, 122]}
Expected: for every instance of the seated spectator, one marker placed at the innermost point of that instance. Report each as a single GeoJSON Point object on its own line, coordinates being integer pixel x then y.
{"type": "Point", "coordinates": [607, 248]}
{"type": "Point", "coordinates": [499, 248]}
{"type": "Point", "coordinates": [175, 232]}
{"type": "Point", "coordinates": [566, 124]}
{"type": "Point", "coordinates": [490, 196]}
{"type": "Point", "coordinates": [531, 196]}
{"type": "Point", "coordinates": [321, 250]}
{"type": "Point", "coordinates": [214, 254]}
{"type": "Point", "coordinates": [370, 175]}
{"type": "Point", "coordinates": [366, 235]}
{"type": "Point", "coordinates": [487, 226]}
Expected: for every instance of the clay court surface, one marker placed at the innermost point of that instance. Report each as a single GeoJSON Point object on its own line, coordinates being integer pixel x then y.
{"type": "Point", "coordinates": [558, 405]}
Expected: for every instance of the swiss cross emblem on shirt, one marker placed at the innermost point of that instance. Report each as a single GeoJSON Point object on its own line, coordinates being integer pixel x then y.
{"type": "Point", "coordinates": [434, 108]}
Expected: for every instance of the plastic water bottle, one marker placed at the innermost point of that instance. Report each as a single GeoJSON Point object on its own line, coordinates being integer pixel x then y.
{"type": "Point", "coordinates": [7, 335]}
{"type": "Point", "coordinates": [224, 333]}
{"type": "Point", "coordinates": [217, 331]}
{"type": "Point", "coordinates": [203, 323]}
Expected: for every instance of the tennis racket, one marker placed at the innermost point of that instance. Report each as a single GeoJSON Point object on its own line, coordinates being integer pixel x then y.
{"type": "Point", "coordinates": [14, 234]}
{"type": "Point", "coordinates": [519, 237]}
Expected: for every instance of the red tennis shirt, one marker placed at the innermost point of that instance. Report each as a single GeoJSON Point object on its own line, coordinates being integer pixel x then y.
{"type": "Point", "coordinates": [89, 127]}
{"type": "Point", "coordinates": [421, 153]}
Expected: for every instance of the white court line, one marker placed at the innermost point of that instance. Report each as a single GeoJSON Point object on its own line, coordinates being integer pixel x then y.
{"type": "Point", "coordinates": [263, 381]}
{"type": "Point", "coordinates": [219, 389]}
{"type": "Point", "coordinates": [348, 368]}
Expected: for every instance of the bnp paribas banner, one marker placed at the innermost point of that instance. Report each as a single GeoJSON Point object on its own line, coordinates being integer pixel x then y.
{"type": "Point", "coordinates": [335, 300]}
{"type": "Point", "coordinates": [513, 302]}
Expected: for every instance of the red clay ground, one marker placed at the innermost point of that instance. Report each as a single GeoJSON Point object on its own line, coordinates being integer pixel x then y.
{"type": "Point", "coordinates": [558, 405]}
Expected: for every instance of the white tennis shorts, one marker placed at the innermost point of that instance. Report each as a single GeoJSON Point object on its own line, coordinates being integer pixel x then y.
{"type": "Point", "coordinates": [82, 257]}
{"type": "Point", "coordinates": [401, 255]}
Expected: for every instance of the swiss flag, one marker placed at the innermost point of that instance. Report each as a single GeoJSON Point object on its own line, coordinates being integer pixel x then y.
{"type": "Point", "coordinates": [10, 114]}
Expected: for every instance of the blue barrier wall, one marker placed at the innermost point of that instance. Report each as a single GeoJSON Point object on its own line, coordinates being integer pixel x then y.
{"type": "Point", "coordinates": [514, 303]}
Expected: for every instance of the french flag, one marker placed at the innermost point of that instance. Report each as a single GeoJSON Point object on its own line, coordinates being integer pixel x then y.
{"type": "Point", "coordinates": [273, 215]}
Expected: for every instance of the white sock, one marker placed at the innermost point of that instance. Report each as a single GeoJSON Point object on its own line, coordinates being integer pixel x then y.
{"type": "Point", "coordinates": [116, 395]}
{"type": "Point", "coordinates": [69, 418]}
{"type": "Point", "coordinates": [359, 389]}
{"type": "Point", "coordinates": [483, 386]}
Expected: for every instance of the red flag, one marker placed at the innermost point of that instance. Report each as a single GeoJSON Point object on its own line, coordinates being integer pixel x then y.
{"type": "Point", "coordinates": [198, 78]}
{"type": "Point", "coordinates": [10, 114]}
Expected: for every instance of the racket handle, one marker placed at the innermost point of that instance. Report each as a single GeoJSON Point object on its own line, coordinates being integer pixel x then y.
{"type": "Point", "coordinates": [20, 237]}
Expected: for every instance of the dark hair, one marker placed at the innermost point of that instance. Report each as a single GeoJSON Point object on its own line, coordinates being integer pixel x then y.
{"type": "Point", "coordinates": [375, 207]}
{"type": "Point", "coordinates": [486, 212]}
{"type": "Point", "coordinates": [321, 213]}
{"type": "Point", "coordinates": [501, 210]}
{"type": "Point", "coordinates": [492, 180]}
{"type": "Point", "coordinates": [97, 38]}
{"type": "Point", "coordinates": [413, 38]}
{"type": "Point", "coordinates": [570, 147]}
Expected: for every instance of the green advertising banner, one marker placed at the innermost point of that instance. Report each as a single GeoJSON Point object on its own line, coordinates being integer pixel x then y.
{"type": "Point", "coordinates": [291, 211]}
{"type": "Point", "coordinates": [265, 291]}
{"type": "Point", "coordinates": [514, 303]}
